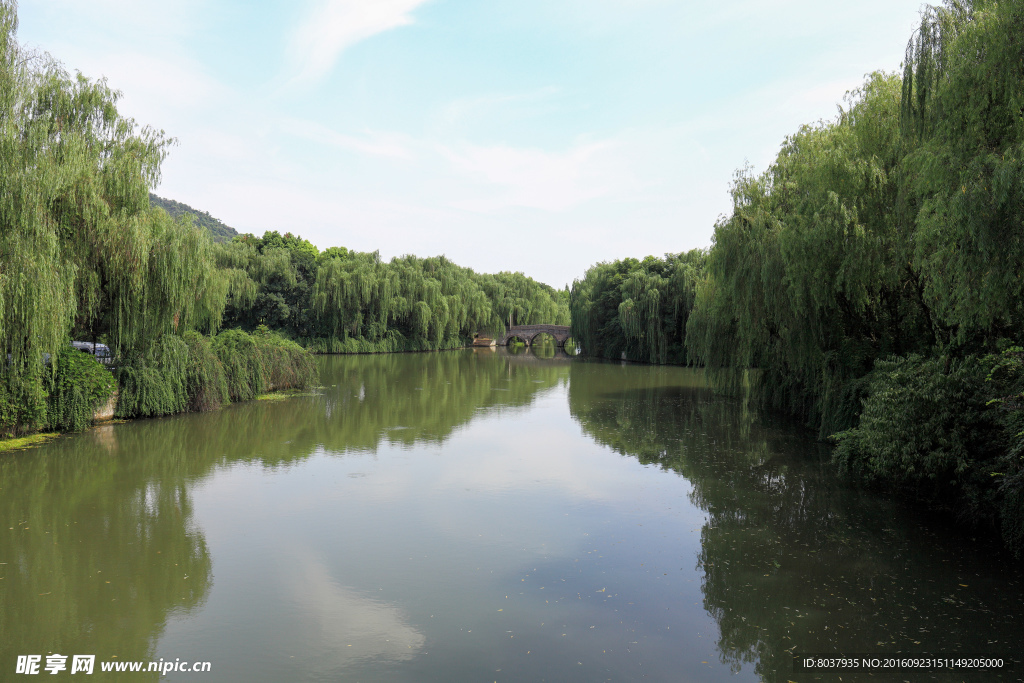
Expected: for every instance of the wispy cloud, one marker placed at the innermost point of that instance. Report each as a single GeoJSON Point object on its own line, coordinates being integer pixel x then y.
{"type": "Point", "coordinates": [476, 106]}
{"type": "Point", "coordinates": [333, 25]}
{"type": "Point", "coordinates": [533, 178]}
{"type": "Point", "coordinates": [121, 21]}
{"type": "Point", "coordinates": [371, 143]}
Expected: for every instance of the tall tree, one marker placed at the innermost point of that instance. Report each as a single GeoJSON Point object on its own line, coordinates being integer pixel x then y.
{"type": "Point", "coordinates": [78, 241]}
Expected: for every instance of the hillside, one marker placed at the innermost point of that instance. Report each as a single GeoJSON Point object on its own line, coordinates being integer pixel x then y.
{"type": "Point", "coordinates": [219, 231]}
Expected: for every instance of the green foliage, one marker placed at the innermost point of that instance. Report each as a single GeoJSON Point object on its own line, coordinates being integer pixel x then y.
{"type": "Point", "coordinates": [71, 172]}
{"type": "Point", "coordinates": [195, 373]}
{"type": "Point", "coordinates": [82, 251]}
{"type": "Point", "coordinates": [77, 385]}
{"type": "Point", "coordinates": [205, 380]}
{"type": "Point", "coordinates": [637, 308]}
{"type": "Point", "coordinates": [155, 383]}
{"type": "Point", "coordinates": [406, 304]}
{"type": "Point", "coordinates": [269, 282]}
{"type": "Point", "coordinates": [286, 365]}
{"type": "Point", "coordinates": [808, 279]}
{"type": "Point", "coordinates": [950, 431]}
{"type": "Point", "coordinates": [260, 362]}
{"type": "Point", "coordinates": [170, 287]}
{"type": "Point", "coordinates": [922, 425]}
{"type": "Point", "coordinates": [241, 362]}
{"type": "Point", "coordinates": [393, 342]}
{"type": "Point", "coordinates": [1007, 376]}
{"type": "Point", "coordinates": [963, 107]}
{"type": "Point", "coordinates": [340, 301]}
{"type": "Point", "coordinates": [520, 300]}
{"type": "Point", "coordinates": [201, 219]}
{"type": "Point", "coordinates": [22, 399]}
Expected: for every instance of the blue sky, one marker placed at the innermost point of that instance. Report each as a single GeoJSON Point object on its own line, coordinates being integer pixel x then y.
{"type": "Point", "coordinates": [539, 136]}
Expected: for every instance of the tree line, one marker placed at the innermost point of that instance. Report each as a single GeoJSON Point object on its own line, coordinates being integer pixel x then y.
{"type": "Point", "coordinates": [341, 301]}
{"type": "Point", "coordinates": [869, 281]}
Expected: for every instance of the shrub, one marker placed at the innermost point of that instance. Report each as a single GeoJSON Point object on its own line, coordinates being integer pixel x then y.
{"type": "Point", "coordinates": [242, 363]}
{"type": "Point", "coordinates": [286, 365]}
{"type": "Point", "coordinates": [920, 423]}
{"type": "Point", "coordinates": [77, 384]}
{"type": "Point", "coordinates": [155, 384]}
{"type": "Point", "coordinates": [197, 373]}
{"type": "Point", "coordinates": [204, 375]}
{"type": "Point", "coordinates": [927, 429]}
{"type": "Point", "coordinates": [262, 361]}
{"type": "Point", "coordinates": [1007, 378]}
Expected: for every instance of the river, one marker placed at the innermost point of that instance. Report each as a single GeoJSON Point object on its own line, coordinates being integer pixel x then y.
{"type": "Point", "coordinates": [480, 515]}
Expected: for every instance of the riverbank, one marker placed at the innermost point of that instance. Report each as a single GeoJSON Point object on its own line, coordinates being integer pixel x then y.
{"type": "Point", "coordinates": [154, 386]}
{"type": "Point", "coordinates": [103, 418]}
{"type": "Point", "coordinates": [22, 442]}
{"type": "Point", "coordinates": [176, 374]}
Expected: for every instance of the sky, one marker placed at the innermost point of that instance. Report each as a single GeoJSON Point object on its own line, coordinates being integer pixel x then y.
{"type": "Point", "coordinates": [540, 136]}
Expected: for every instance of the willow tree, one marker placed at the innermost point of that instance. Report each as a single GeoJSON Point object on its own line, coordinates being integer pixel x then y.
{"type": "Point", "coordinates": [270, 281]}
{"type": "Point", "coordinates": [78, 241]}
{"type": "Point", "coordinates": [637, 309]}
{"type": "Point", "coordinates": [409, 303]}
{"type": "Point", "coordinates": [963, 104]}
{"type": "Point", "coordinates": [521, 300]}
{"type": "Point", "coordinates": [352, 292]}
{"type": "Point", "coordinates": [810, 279]}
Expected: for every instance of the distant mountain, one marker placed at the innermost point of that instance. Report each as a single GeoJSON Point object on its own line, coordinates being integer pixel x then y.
{"type": "Point", "coordinates": [219, 231]}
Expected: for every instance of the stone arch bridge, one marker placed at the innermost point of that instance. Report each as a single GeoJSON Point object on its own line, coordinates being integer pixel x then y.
{"type": "Point", "coordinates": [529, 332]}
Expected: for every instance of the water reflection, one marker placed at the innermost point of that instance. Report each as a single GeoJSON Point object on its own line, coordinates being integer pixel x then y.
{"type": "Point", "coordinates": [407, 398]}
{"type": "Point", "coordinates": [98, 545]}
{"type": "Point", "coordinates": [793, 561]}
{"type": "Point", "coordinates": [342, 625]}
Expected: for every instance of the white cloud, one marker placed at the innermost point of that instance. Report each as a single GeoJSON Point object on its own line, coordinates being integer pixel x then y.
{"type": "Point", "coordinates": [346, 623]}
{"type": "Point", "coordinates": [531, 178]}
{"type": "Point", "coordinates": [479, 106]}
{"type": "Point", "coordinates": [334, 25]}
{"type": "Point", "coordinates": [371, 143]}
{"type": "Point", "coordinates": [126, 19]}
{"type": "Point", "coordinates": [158, 87]}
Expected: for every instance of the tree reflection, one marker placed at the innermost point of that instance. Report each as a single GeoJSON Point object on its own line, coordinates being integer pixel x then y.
{"type": "Point", "coordinates": [792, 560]}
{"type": "Point", "coordinates": [405, 399]}
{"type": "Point", "coordinates": [98, 546]}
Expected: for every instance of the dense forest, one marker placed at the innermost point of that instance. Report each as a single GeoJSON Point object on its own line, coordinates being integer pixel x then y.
{"type": "Point", "coordinates": [869, 281]}
{"type": "Point", "coordinates": [341, 301]}
{"type": "Point", "coordinates": [201, 219]}
{"type": "Point", "coordinates": [87, 253]}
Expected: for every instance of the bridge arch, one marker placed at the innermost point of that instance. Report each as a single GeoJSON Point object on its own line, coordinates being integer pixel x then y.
{"type": "Point", "coordinates": [512, 337]}
{"type": "Point", "coordinates": [536, 337]}
{"type": "Point", "coordinates": [528, 333]}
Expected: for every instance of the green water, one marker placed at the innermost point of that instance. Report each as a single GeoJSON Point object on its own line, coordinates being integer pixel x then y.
{"type": "Point", "coordinates": [478, 516]}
